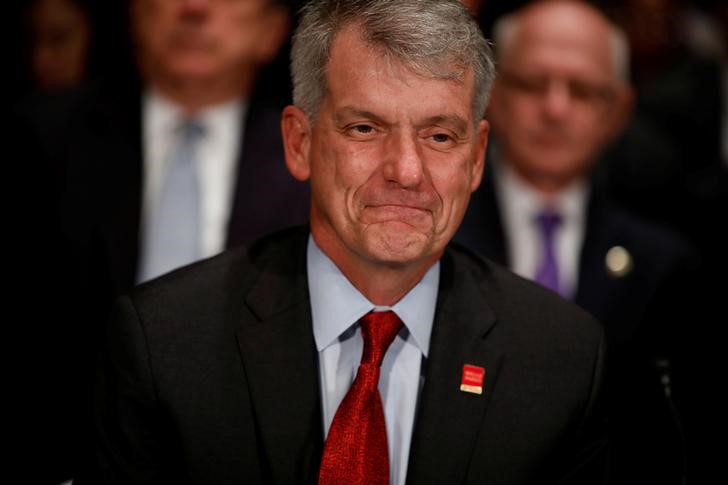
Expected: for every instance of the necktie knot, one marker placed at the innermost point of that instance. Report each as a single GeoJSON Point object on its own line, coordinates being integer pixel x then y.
{"type": "Point", "coordinates": [189, 132]}
{"type": "Point", "coordinates": [190, 128]}
{"type": "Point", "coordinates": [548, 220]}
{"type": "Point", "coordinates": [378, 331]}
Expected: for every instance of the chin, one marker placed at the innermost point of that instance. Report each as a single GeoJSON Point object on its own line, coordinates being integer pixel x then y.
{"type": "Point", "coordinates": [398, 244]}
{"type": "Point", "coordinates": [194, 67]}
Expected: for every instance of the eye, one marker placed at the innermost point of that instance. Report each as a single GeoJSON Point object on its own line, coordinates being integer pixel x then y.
{"type": "Point", "coordinates": [590, 93]}
{"type": "Point", "coordinates": [441, 137]}
{"type": "Point", "coordinates": [361, 130]}
{"type": "Point", "coordinates": [524, 84]}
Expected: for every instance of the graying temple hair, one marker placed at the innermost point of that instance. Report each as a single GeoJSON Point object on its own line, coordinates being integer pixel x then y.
{"type": "Point", "coordinates": [434, 38]}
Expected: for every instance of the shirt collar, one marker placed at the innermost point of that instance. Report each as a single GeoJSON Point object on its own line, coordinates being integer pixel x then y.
{"type": "Point", "coordinates": [521, 200]}
{"type": "Point", "coordinates": [336, 304]}
{"type": "Point", "coordinates": [165, 115]}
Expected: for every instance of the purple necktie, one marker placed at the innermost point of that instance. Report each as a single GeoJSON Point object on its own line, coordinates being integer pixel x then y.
{"type": "Point", "coordinates": [547, 271]}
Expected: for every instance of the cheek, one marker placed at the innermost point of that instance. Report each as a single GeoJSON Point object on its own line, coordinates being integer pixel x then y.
{"type": "Point", "coordinates": [451, 181]}
{"type": "Point", "coordinates": [590, 133]}
{"type": "Point", "coordinates": [333, 171]}
{"type": "Point", "coordinates": [518, 113]}
{"type": "Point", "coordinates": [238, 40]}
{"type": "Point", "coordinates": [352, 164]}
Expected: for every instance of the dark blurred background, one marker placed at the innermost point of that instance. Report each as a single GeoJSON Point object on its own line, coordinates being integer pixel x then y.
{"type": "Point", "coordinates": [670, 166]}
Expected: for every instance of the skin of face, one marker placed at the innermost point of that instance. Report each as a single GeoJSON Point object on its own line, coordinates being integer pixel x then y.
{"type": "Point", "coordinates": [61, 34]}
{"type": "Point", "coordinates": [215, 42]}
{"type": "Point", "coordinates": [392, 158]}
{"type": "Point", "coordinates": [558, 99]}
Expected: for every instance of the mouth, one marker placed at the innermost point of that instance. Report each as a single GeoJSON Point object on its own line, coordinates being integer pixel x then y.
{"type": "Point", "coordinates": [411, 215]}
{"type": "Point", "coordinates": [551, 140]}
{"type": "Point", "coordinates": [189, 40]}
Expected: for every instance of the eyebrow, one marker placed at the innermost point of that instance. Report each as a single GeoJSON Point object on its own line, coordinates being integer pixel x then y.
{"type": "Point", "coordinates": [457, 122]}
{"type": "Point", "coordinates": [359, 113]}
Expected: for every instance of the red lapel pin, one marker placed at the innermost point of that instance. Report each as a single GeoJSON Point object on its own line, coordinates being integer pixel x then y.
{"type": "Point", "coordinates": [473, 378]}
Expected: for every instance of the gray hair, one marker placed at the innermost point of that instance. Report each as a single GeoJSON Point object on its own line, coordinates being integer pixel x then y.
{"type": "Point", "coordinates": [506, 28]}
{"type": "Point", "coordinates": [434, 38]}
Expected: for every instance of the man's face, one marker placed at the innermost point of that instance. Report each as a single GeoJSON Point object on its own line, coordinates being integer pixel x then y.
{"type": "Point", "coordinates": [183, 40]}
{"type": "Point", "coordinates": [60, 39]}
{"type": "Point", "coordinates": [557, 102]}
{"type": "Point", "coordinates": [393, 158]}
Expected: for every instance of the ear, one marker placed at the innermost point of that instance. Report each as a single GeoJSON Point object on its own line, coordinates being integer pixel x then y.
{"type": "Point", "coordinates": [621, 111]}
{"type": "Point", "coordinates": [296, 130]}
{"type": "Point", "coordinates": [273, 31]}
{"type": "Point", "coordinates": [480, 149]}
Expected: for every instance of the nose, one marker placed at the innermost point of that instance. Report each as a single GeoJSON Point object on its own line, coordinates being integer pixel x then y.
{"type": "Point", "coordinates": [557, 100]}
{"type": "Point", "coordinates": [403, 162]}
{"type": "Point", "coordinates": [195, 6]}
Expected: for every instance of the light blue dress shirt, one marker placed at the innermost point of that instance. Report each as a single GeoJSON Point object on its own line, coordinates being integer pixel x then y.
{"type": "Point", "coordinates": [336, 307]}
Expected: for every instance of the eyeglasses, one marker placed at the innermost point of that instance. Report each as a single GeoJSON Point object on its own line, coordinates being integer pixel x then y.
{"type": "Point", "coordinates": [579, 91]}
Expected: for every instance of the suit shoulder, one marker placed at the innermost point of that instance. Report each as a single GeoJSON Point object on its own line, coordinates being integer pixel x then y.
{"type": "Point", "coordinates": [517, 301]}
{"type": "Point", "coordinates": [232, 272]}
{"type": "Point", "coordinates": [660, 245]}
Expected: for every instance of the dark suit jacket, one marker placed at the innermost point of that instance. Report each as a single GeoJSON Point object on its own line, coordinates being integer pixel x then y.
{"type": "Point", "coordinates": [102, 193]}
{"type": "Point", "coordinates": [641, 312]}
{"type": "Point", "coordinates": [210, 376]}
{"type": "Point", "coordinates": [79, 232]}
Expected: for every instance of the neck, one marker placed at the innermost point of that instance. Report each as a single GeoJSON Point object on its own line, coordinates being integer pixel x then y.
{"type": "Point", "coordinates": [194, 95]}
{"type": "Point", "coordinates": [381, 283]}
{"type": "Point", "coordinates": [549, 186]}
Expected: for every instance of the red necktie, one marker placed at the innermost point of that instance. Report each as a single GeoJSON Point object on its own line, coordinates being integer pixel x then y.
{"type": "Point", "coordinates": [355, 451]}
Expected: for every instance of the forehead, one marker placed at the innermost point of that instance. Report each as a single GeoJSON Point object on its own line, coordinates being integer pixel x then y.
{"type": "Point", "coordinates": [562, 38]}
{"type": "Point", "coordinates": [157, 7]}
{"type": "Point", "coordinates": [361, 73]}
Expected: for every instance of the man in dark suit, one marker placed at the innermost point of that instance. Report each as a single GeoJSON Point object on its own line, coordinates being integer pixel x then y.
{"type": "Point", "coordinates": [561, 97]}
{"type": "Point", "coordinates": [107, 149]}
{"type": "Point", "coordinates": [243, 368]}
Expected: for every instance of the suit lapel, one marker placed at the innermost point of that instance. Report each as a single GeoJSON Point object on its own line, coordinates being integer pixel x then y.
{"type": "Point", "coordinates": [280, 361]}
{"type": "Point", "coordinates": [597, 291]}
{"type": "Point", "coordinates": [449, 419]}
{"type": "Point", "coordinates": [494, 240]}
{"type": "Point", "coordinates": [482, 228]}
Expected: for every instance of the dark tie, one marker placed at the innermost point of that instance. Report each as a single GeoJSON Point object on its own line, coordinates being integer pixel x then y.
{"type": "Point", "coordinates": [355, 451]}
{"type": "Point", "coordinates": [173, 230]}
{"type": "Point", "coordinates": [547, 272]}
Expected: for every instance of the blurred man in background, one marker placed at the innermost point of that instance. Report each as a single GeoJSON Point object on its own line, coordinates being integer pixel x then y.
{"type": "Point", "coordinates": [151, 175]}
{"type": "Point", "coordinates": [561, 97]}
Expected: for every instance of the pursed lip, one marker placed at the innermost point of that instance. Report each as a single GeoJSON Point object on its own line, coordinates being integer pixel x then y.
{"type": "Point", "coordinates": [383, 212]}
{"type": "Point", "coordinates": [551, 139]}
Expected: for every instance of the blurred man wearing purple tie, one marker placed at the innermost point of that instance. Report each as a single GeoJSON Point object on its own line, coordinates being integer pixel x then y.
{"type": "Point", "coordinates": [561, 97]}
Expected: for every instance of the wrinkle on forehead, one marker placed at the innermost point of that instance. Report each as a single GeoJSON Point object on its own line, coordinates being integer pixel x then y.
{"type": "Point", "coordinates": [441, 69]}
{"type": "Point", "coordinates": [381, 78]}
